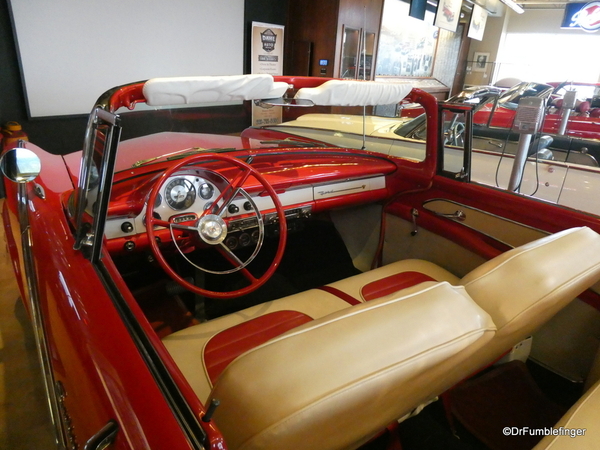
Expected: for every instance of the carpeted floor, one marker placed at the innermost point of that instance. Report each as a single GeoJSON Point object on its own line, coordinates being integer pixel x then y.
{"type": "Point", "coordinates": [511, 395]}
{"type": "Point", "coordinates": [506, 396]}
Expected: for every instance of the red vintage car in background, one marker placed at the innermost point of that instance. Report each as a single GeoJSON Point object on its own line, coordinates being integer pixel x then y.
{"type": "Point", "coordinates": [583, 118]}
{"type": "Point", "coordinates": [259, 290]}
{"type": "Point", "coordinates": [497, 107]}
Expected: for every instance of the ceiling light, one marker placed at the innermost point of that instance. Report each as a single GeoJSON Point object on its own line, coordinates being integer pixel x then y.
{"type": "Point", "coordinates": [512, 5]}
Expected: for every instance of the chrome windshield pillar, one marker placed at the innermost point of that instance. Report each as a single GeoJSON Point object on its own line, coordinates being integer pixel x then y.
{"type": "Point", "coordinates": [95, 179]}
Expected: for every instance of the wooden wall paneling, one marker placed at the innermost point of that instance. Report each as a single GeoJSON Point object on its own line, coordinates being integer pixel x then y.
{"type": "Point", "coordinates": [322, 23]}
{"type": "Point", "coordinates": [359, 14]}
{"type": "Point", "coordinates": [315, 22]}
{"type": "Point", "coordinates": [461, 72]}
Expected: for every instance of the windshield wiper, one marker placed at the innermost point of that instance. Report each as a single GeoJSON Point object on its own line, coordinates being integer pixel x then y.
{"type": "Point", "coordinates": [293, 143]}
{"type": "Point", "coordinates": [181, 154]}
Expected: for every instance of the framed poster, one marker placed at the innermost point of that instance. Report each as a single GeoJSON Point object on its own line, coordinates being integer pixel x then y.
{"type": "Point", "coordinates": [267, 48]}
{"type": "Point", "coordinates": [480, 61]}
{"type": "Point", "coordinates": [477, 23]}
{"type": "Point", "coordinates": [406, 45]}
{"type": "Point", "coordinates": [267, 57]}
{"type": "Point", "coordinates": [448, 15]}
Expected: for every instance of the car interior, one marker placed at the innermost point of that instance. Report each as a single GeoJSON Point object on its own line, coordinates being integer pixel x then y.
{"type": "Point", "coordinates": [347, 277]}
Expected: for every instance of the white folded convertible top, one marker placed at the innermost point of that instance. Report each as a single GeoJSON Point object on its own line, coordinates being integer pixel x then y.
{"type": "Point", "coordinates": [208, 89]}
{"type": "Point", "coordinates": [355, 93]}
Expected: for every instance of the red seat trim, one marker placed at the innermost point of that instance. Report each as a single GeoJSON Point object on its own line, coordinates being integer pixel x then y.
{"type": "Point", "coordinates": [230, 343]}
{"type": "Point", "coordinates": [393, 283]}
{"type": "Point", "coordinates": [340, 294]}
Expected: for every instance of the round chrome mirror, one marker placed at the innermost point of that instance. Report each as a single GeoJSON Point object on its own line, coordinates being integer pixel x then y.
{"type": "Point", "coordinates": [20, 165]}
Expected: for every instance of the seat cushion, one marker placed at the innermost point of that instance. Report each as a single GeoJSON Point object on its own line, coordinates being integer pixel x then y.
{"type": "Point", "coordinates": [204, 350]}
{"type": "Point", "coordinates": [392, 278]}
{"type": "Point", "coordinates": [523, 288]}
{"type": "Point", "coordinates": [337, 380]}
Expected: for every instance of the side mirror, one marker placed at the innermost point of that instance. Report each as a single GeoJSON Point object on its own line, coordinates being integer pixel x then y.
{"type": "Point", "coordinates": [20, 165]}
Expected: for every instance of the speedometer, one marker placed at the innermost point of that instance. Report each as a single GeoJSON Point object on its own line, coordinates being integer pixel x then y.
{"type": "Point", "coordinates": [180, 194]}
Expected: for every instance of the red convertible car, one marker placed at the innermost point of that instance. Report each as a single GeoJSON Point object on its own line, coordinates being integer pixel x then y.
{"type": "Point", "coordinates": [497, 107]}
{"type": "Point", "coordinates": [197, 283]}
{"type": "Point", "coordinates": [582, 119]}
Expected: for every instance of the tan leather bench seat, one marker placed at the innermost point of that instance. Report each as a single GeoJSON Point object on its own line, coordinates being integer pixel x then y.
{"type": "Point", "coordinates": [520, 290]}
{"type": "Point", "coordinates": [336, 381]}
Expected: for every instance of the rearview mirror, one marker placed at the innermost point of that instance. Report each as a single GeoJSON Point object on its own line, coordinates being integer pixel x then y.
{"type": "Point", "coordinates": [20, 165]}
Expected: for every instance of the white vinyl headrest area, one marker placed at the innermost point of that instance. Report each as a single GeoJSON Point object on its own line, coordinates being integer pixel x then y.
{"type": "Point", "coordinates": [355, 93]}
{"type": "Point", "coordinates": [209, 89]}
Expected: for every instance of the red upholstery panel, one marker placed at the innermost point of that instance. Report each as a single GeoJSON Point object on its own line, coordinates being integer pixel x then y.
{"type": "Point", "coordinates": [393, 283]}
{"type": "Point", "coordinates": [227, 345]}
{"type": "Point", "coordinates": [340, 294]}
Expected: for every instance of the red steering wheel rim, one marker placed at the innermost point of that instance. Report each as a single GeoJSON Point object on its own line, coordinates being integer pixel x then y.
{"type": "Point", "coordinates": [150, 222]}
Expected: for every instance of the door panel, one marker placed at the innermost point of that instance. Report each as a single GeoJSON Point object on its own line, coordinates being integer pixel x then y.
{"type": "Point", "coordinates": [506, 231]}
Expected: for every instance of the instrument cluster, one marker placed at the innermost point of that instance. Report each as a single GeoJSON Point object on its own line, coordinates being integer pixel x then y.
{"type": "Point", "coordinates": [182, 198]}
{"type": "Point", "coordinates": [184, 194]}
{"type": "Point", "coordinates": [181, 192]}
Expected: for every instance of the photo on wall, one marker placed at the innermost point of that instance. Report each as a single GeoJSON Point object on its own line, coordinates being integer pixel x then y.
{"type": "Point", "coordinates": [448, 14]}
{"type": "Point", "coordinates": [480, 61]}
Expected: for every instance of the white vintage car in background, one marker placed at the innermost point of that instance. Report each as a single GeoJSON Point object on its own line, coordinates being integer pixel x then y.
{"type": "Point", "coordinates": [567, 178]}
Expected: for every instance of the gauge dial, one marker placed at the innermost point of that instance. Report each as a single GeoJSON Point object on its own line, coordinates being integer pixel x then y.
{"type": "Point", "coordinates": [158, 201]}
{"type": "Point", "coordinates": [180, 194]}
{"type": "Point", "coordinates": [206, 191]}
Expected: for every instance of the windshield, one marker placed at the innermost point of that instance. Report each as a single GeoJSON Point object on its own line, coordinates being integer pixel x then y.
{"type": "Point", "coordinates": [510, 99]}
{"type": "Point", "coordinates": [162, 119]}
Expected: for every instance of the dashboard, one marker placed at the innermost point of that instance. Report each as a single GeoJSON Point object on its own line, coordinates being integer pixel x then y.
{"type": "Point", "coordinates": [185, 196]}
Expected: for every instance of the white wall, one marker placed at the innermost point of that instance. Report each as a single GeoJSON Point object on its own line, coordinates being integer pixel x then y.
{"type": "Point", "coordinates": [492, 36]}
{"type": "Point", "coordinates": [532, 47]}
{"type": "Point", "coordinates": [71, 51]}
{"type": "Point", "coordinates": [535, 48]}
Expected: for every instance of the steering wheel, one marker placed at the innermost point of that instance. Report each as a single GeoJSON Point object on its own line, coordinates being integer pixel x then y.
{"type": "Point", "coordinates": [455, 132]}
{"type": "Point", "coordinates": [211, 227]}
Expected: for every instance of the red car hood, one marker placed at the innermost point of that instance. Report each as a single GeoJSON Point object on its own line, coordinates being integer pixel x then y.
{"type": "Point", "coordinates": [161, 144]}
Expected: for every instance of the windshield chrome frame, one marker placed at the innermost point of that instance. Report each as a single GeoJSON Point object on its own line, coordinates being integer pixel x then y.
{"type": "Point", "coordinates": [89, 238]}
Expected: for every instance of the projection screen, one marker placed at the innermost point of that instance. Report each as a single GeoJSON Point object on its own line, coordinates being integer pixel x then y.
{"type": "Point", "coordinates": [71, 51]}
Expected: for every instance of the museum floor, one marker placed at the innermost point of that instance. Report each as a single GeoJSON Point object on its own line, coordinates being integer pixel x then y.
{"type": "Point", "coordinates": [24, 418]}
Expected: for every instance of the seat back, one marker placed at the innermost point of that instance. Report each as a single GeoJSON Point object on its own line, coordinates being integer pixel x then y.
{"type": "Point", "coordinates": [336, 381]}
{"type": "Point", "coordinates": [578, 429]}
{"type": "Point", "coordinates": [523, 288]}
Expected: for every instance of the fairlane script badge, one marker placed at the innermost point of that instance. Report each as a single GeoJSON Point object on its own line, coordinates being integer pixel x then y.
{"type": "Point", "coordinates": [586, 17]}
{"type": "Point", "coordinates": [268, 38]}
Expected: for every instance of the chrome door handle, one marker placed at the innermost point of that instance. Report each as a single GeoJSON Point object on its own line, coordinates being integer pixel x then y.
{"type": "Point", "coordinates": [103, 438]}
{"type": "Point", "coordinates": [457, 215]}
